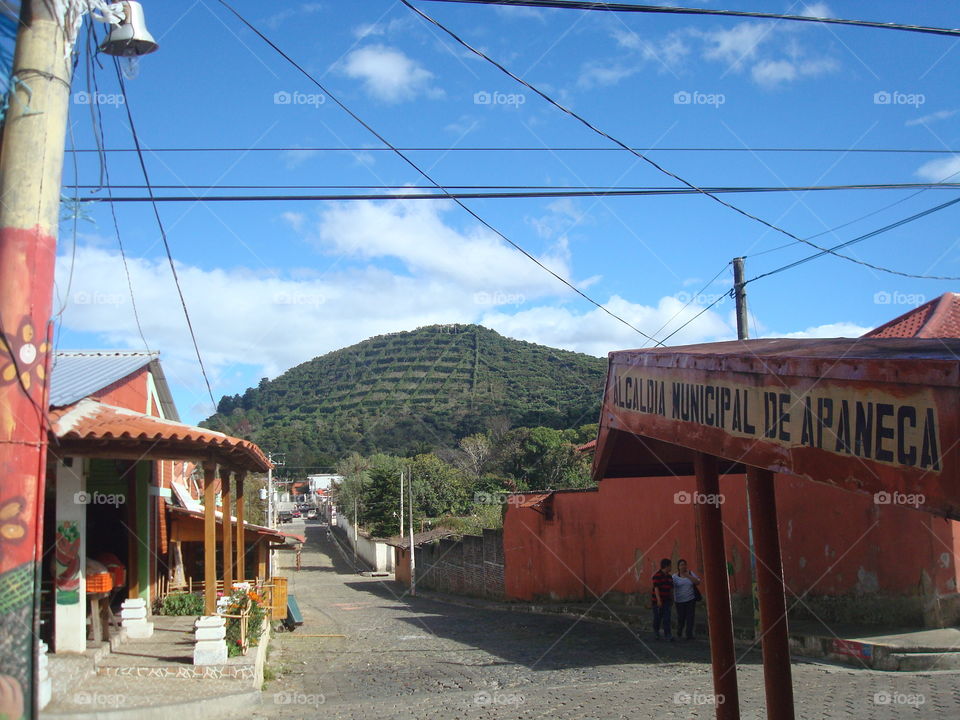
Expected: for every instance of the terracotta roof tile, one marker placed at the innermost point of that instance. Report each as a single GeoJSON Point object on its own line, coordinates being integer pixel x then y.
{"type": "Point", "coordinates": [939, 318]}
{"type": "Point", "coordinates": [107, 427]}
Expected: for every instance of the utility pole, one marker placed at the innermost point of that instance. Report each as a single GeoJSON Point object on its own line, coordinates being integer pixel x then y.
{"type": "Point", "coordinates": [401, 503]}
{"type": "Point", "coordinates": [31, 166]}
{"type": "Point", "coordinates": [356, 524]}
{"type": "Point", "coordinates": [413, 549]}
{"type": "Point", "coordinates": [743, 333]}
{"type": "Point", "coordinates": [740, 295]}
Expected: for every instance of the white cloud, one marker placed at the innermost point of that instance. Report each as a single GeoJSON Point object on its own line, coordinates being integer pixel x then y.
{"type": "Point", "coordinates": [295, 158]}
{"type": "Point", "coordinates": [941, 169]}
{"type": "Point", "coordinates": [819, 10]}
{"type": "Point", "coordinates": [773, 72]}
{"type": "Point", "coordinates": [415, 233]}
{"type": "Point", "coordinates": [388, 74]}
{"type": "Point", "coordinates": [932, 117]}
{"type": "Point", "coordinates": [766, 51]}
{"type": "Point", "coordinates": [831, 330]}
{"type": "Point", "coordinates": [596, 333]}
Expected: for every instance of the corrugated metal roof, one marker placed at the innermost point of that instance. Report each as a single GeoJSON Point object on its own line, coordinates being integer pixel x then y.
{"type": "Point", "coordinates": [79, 374]}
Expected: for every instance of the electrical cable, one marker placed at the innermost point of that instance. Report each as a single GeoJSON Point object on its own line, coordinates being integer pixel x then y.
{"type": "Point", "coordinates": [536, 190]}
{"type": "Point", "coordinates": [105, 172]}
{"type": "Point", "coordinates": [661, 9]}
{"type": "Point", "coordinates": [692, 298]}
{"type": "Point", "coordinates": [448, 195]}
{"type": "Point", "coordinates": [691, 320]}
{"type": "Point", "coordinates": [641, 156]}
{"type": "Point", "coordinates": [426, 176]}
{"type": "Point", "coordinates": [538, 148]}
{"type": "Point", "coordinates": [873, 233]}
{"type": "Point", "coordinates": [163, 232]}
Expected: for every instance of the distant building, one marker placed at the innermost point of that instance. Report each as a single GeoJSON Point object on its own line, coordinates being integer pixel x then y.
{"type": "Point", "coordinates": [322, 482]}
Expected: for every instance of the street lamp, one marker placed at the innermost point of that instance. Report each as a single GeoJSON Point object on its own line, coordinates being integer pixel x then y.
{"type": "Point", "coordinates": [129, 37]}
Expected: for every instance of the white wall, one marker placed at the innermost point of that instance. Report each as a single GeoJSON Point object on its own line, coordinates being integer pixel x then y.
{"type": "Point", "coordinates": [376, 554]}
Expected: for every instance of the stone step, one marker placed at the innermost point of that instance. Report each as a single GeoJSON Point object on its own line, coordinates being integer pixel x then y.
{"type": "Point", "coordinates": [922, 661]}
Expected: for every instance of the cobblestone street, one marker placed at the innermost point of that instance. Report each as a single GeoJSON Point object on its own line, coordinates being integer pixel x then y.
{"type": "Point", "coordinates": [404, 657]}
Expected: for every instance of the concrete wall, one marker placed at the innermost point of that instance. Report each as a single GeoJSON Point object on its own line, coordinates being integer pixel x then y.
{"type": "Point", "coordinates": [848, 558]}
{"type": "Point", "coordinates": [378, 555]}
{"type": "Point", "coordinates": [471, 566]}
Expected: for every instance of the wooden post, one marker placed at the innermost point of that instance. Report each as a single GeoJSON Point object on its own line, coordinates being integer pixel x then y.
{"type": "Point", "coordinates": [227, 531]}
{"type": "Point", "coordinates": [209, 537]}
{"type": "Point", "coordinates": [773, 603]}
{"type": "Point", "coordinates": [241, 539]}
{"type": "Point", "coordinates": [720, 618]}
{"type": "Point", "coordinates": [31, 165]}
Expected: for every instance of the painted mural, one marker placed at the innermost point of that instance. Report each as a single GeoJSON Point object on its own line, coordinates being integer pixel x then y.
{"type": "Point", "coordinates": [67, 558]}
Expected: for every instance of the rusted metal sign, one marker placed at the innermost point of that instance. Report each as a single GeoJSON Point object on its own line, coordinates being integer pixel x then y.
{"type": "Point", "coordinates": [877, 416]}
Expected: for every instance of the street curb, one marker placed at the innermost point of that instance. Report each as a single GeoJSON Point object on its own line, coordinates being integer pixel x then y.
{"type": "Point", "coordinates": [204, 709]}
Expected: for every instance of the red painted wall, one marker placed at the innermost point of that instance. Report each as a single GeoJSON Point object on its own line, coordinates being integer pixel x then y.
{"type": "Point", "coordinates": [833, 541]}
{"type": "Point", "coordinates": [129, 392]}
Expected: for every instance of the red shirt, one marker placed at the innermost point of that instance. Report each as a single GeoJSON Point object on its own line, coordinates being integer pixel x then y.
{"type": "Point", "coordinates": [664, 582]}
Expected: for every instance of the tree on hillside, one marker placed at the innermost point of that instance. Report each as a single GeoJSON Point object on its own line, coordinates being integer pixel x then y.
{"type": "Point", "coordinates": [348, 494]}
{"type": "Point", "coordinates": [476, 452]}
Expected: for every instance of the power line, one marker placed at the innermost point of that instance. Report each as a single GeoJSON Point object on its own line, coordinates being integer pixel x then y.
{"type": "Point", "coordinates": [448, 195]}
{"type": "Point", "coordinates": [425, 175]}
{"type": "Point", "coordinates": [623, 146]}
{"type": "Point", "coordinates": [536, 149]}
{"type": "Point", "coordinates": [163, 232]}
{"type": "Point", "coordinates": [549, 190]}
{"type": "Point", "coordinates": [690, 302]}
{"type": "Point", "coordinates": [659, 9]}
{"type": "Point", "coordinates": [873, 233]}
{"type": "Point", "coordinates": [99, 135]}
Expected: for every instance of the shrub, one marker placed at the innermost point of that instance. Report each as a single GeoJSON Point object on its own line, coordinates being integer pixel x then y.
{"type": "Point", "coordinates": [182, 603]}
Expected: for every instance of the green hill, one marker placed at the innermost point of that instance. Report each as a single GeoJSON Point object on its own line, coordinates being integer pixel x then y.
{"type": "Point", "coordinates": [413, 392]}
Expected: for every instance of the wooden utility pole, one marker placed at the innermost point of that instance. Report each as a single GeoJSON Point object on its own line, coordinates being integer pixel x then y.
{"type": "Point", "coordinates": [413, 549]}
{"type": "Point", "coordinates": [31, 164]}
{"type": "Point", "coordinates": [740, 295]}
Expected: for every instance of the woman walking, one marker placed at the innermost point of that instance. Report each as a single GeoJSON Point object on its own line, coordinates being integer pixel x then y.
{"type": "Point", "coordinates": [685, 594]}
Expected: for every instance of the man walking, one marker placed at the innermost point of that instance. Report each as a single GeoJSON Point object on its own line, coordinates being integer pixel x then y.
{"type": "Point", "coordinates": [662, 600]}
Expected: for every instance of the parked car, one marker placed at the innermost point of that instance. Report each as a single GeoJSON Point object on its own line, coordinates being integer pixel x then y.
{"type": "Point", "coordinates": [295, 513]}
{"type": "Point", "coordinates": [284, 516]}
{"type": "Point", "coordinates": [311, 514]}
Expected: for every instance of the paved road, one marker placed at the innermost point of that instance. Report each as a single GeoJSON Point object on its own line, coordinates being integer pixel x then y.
{"type": "Point", "coordinates": [418, 658]}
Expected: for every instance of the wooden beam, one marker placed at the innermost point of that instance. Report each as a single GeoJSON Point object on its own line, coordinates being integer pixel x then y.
{"type": "Point", "coordinates": [241, 540]}
{"type": "Point", "coordinates": [209, 538]}
{"type": "Point", "coordinates": [227, 531]}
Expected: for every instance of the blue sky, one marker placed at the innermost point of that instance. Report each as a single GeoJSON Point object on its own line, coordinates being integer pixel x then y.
{"type": "Point", "coordinates": [272, 284]}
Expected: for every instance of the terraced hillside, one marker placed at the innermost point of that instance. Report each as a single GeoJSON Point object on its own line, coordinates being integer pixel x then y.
{"type": "Point", "coordinates": [414, 391]}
